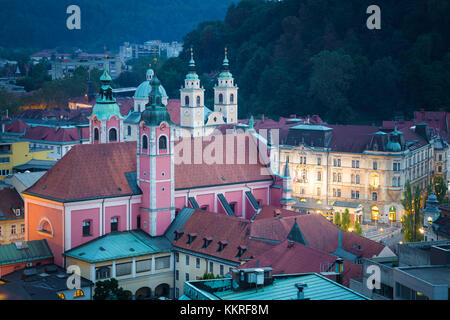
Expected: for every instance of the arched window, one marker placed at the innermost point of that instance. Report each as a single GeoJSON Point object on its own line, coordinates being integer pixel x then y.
{"type": "Point", "coordinates": [78, 294]}
{"type": "Point", "coordinates": [45, 227]}
{"type": "Point", "coordinates": [220, 98]}
{"type": "Point", "coordinates": [186, 101]}
{"type": "Point", "coordinates": [198, 100]}
{"type": "Point", "coordinates": [392, 213]}
{"type": "Point", "coordinates": [162, 143]}
{"type": "Point", "coordinates": [231, 98]}
{"type": "Point", "coordinates": [144, 142]}
{"type": "Point", "coordinates": [96, 134]}
{"type": "Point", "coordinates": [113, 134]}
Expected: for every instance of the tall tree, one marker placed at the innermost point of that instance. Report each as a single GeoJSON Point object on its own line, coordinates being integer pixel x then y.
{"type": "Point", "coordinates": [440, 188]}
{"type": "Point", "coordinates": [412, 218]}
{"type": "Point", "coordinates": [345, 224]}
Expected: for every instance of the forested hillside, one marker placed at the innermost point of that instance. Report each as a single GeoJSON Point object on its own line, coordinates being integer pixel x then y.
{"type": "Point", "coordinates": [42, 23]}
{"type": "Point", "coordinates": [317, 56]}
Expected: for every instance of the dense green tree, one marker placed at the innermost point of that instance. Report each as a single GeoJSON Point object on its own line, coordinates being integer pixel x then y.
{"type": "Point", "coordinates": [412, 219]}
{"type": "Point", "coordinates": [440, 188]}
{"type": "Point", "coordinates": [109, 290]}
{"type": "Point", "coordinates": [345, 222]}
{"type": "Point", "coordinates": [357, 228]}
{"type": "Point", "coordinates": [337, 219]}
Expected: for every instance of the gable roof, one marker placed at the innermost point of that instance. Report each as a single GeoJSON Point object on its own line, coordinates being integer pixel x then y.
{"type": "Point", "coordinates": [89, 171]}
{"type": "Point", "coordinates": [10, 199]}
{"type": "Point", "coordinates": [289, 257]}
{"type": "Point", "coordinates": [319, 234]}
{"type": "Point", "coordinates": [232, 231]}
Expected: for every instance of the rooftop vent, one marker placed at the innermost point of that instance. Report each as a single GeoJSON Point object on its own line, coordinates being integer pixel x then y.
{"type": "Point", "coordinates": [102, 249]}
{"type": "Point", "coordinates": [301, 290]}
{"type": "Point", "coordinates": [21, 245]}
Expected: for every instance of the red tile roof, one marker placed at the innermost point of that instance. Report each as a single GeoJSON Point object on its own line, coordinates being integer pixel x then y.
{"type": "Point", "coordinates": [173, 106]}
{"type": "Point", "coordinates": [233, 231]}
{"type": "Point", "coordinates": [9, 200]}
{"type": "Point", "coordinates": [91, 171]}
{"type": "Point", "coordinates": [269, 212]}
{"type": "Point", "coordinates": [291, 257]}
{"type": "Point", "coordinates": [17, 126]}
{"type": "Point", "coordinates": [51, 134]}
{"type": "Point", "coordinates": [189, 175]}
{"type": "Point", "coordinates": [318, 232]}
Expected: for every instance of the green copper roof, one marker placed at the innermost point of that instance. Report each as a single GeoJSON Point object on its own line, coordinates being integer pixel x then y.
{"type": "Point", "coordinates": [106, 105]}
{"type": "Point", "coordinates": [155, 112]}
{"type": "Point", "coordinates": [119, 245]}
{"type": "Point", "coordinates": [33, 250]}
{"type": "Point", "coordinates": [282, 288]}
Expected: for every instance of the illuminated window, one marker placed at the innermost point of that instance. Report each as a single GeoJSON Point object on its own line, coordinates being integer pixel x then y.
{"type": "Point", "coordinates": [78, 294]}
{"type": "Point", "coordinates": [13, 229]}
{"type": "Point", "coordinates": [392, 214]}
{"type": "Point", "coordinates": [375, 213]}
{"type": "Point", "coordinates": [61, 296]}
{"type": "Point", "coordinates": [374, 180]}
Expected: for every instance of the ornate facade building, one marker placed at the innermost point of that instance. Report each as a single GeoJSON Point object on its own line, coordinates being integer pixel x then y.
{"type": "Point", "coordinates": [357, 164]}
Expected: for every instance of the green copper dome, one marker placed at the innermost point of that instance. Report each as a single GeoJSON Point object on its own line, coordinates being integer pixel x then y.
{"type": "Point", "coordinates": [144, 89]}
{"type": "Point", "coordinates": [106, 105]}
{"type": "Point", "coordinates": [155, 112]}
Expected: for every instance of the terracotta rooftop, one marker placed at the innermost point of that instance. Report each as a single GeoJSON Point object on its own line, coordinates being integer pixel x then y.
{"type": "Point", "coordinates": [9, 200]}
{"type": "Point", "coordinates": [92, 171]}
{"type": "Point", "coordinates": [290, 257]}
{"type": "Point", "coordinates": [230, 230]}
{"type": "Point", "coordinates": [318, 232]}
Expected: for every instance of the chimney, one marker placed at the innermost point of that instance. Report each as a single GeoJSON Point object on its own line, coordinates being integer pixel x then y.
{"type": "Point", "coordinates": [262, 118]}
{"type": "Point", "coordinates": [339, 265]}
{"type": "Point", "coordinates": [301, 290]}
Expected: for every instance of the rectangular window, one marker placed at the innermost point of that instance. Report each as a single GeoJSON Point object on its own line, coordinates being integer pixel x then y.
{"type": "Point", "coordinates": [13, 229]}
{"type": "Point", "coordinates": [211, 267]}
{"type": "Point", "coordinates": [103, 272]}
{"type": "Point", "coordinates": [123, 269]}
{"type": "Point", "coordinates": [187, 276]}
{"type": "Point", "coordinates": [221, 269]}
{"type": "Point", "coordinates": [143, 265]}
{"type": "Point", "coordinates": [22, 228]}
{"type": "Point", "coordinates": [375, 165]}
{"type": "Point", "coordinates": [86, 228]}
{"type": "Point", "coordinates": [197, 263]}
{"type": "Point", "coordinates": [162, 263]}
{"type": "Point", "coordinates": [4, 160]}
{"type": "Point", "coordinates": [177, 293]}
{"type": "Point", "coordinates": [177, 275]}
{"type": "Point", "coordinates": [187, 260]}
{"type": "Point", "coordinates": [1, 231]}
{"type": "Point", "coordinates": [339, 193]}
{"type": "Point", "coordinates": [353, 164]}
{"type": "Point", "coordinates": [357, 163]}
{"type": "Point", "coordinates": [114, 224]}
{"type": "Point", "coordinates": [319, 176]}
{"type": "Point", "coordinates": [319, 161]}
{"type": "Point", "coordinates": [177, 257]}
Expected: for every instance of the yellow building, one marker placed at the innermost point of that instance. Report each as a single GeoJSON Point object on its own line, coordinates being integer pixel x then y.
{"type": "Point", "coordinates": [359, 164]}
{"type": "Point", "coordinates": [12, 222]}
{"type": "Point", "coordinates": [142, 265]}
{"type": "Point", "coordinates": [15, 152]}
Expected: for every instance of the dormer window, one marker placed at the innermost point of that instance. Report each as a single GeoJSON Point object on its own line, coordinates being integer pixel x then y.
{"type": "Point", "coordinates": [222, 245]}
{"type": "Point", "coordinates": [191, 238]}
{"type": "Point", "coordinates": [241, 250]}
{"type": "Point", "coordinates": [178, 234]}
{"type": "Point", "coordinates": [206, 242]}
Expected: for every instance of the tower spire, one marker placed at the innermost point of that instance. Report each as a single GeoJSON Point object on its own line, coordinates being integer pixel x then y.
{"type": "Point", "coordinates": [225, 61]}
{"type": "Point", "coordinates": [192, 62]}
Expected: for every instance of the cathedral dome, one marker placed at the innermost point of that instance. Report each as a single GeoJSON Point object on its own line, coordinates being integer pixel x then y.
{"type": "Point", "coordinates": [144, 89]}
